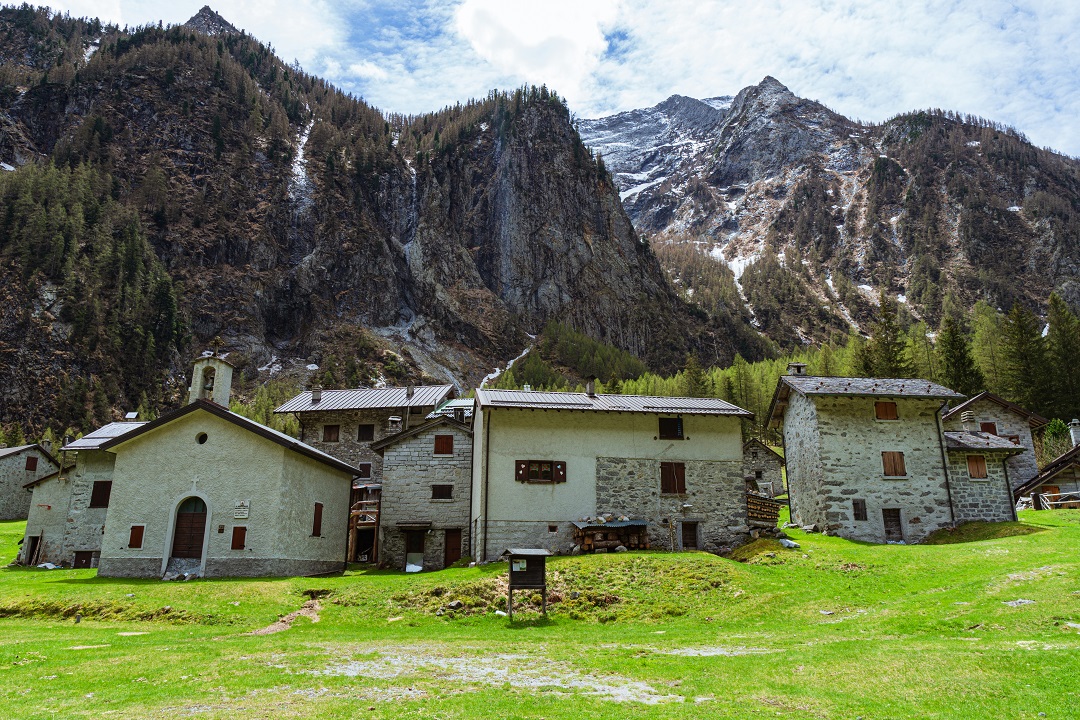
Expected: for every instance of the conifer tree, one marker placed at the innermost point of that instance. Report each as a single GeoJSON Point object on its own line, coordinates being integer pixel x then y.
{"type": "Point", "coordinates": [958, 370]}
{"type": "Point", "coordinates": [884, 355]}
{"type": "Point", "coordinates": [1063, 348]}
{"type": "Point", "coordinates": [986, 345]}
{"type": "Point", "coordinates": [1024, 370]}
{"type": "Point", "coordinates": [695, 383]}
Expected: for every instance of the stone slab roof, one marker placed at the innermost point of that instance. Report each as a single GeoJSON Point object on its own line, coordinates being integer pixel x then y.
{"type": "Point", "coordinates": [1061, 462]}
{"type": "Point", "coordinates": [535, 400]}
{"type": "Point", "coordinates": [1034, 420]}
{"type": "Point", "coordinates": [809, 385]}
{"type": "Point", "coordinates": [963, 440]}
{"type": "Point", "coordinates": [369, 398]}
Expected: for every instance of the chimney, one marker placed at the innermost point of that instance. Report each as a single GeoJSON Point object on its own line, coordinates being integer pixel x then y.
{"type": "Point", "coordinates": [1074, 432]}
{"type": "Point", "coordinates": [526, 387]}
{"type": "Point", "coordinates": [316, 394]}
{"type": "Point", "coordinates": [47, 445]}
{"type": "Point", "coordinates": [590, 386]}
{"type": "Point", "coordinates": [967, 419]}
{"type": "Point", "coordinates": [459, 414]}
{"type": "Point", "coordinates": [796, 368]}
{"type": "Point", "coordinates": [409, 392]}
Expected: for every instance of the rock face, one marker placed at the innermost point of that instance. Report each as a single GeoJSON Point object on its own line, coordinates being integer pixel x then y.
{"type": "Point", "coordinates": [832, 210]}
{"type": "Point", "coordinates": [209, 22]}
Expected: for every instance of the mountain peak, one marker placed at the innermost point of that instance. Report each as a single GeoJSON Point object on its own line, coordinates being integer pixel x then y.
{"type": "Point", "coordinates": [209, 22]}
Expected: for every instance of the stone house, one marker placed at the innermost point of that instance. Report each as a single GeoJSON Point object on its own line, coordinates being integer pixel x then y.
{"type": "Point", "coordinates": [67, 517]}
{"type": "Point", "coordinates": [866, 457]}
{"type": "Point", "coordinates": [345, 423]}
{"type": "Point", "coordinates": [979, 475]}
{"type": "Point", "coordinates": [19, 467]}
{"type": "Point", "coordinates": [997, 416]}
{"type": "Point", "coordinates": [543, 461]}
{"type": "Point", "coordinates": [763, 468]}
{"type": "Point", "coordinates": [426, 493]}
{"type": "Point", "coordinates": [1058, 485]}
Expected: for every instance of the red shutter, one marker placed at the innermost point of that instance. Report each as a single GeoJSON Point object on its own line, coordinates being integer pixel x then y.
{"type": "Point", "coordinates": [31, 462]}
{"type": "Point", "coordinates": [239, 537]}
{"type": "Point", "coordinates": [444, 444]}
{"type": "Point", "coordinates": [135, 537]}
{"type": "Point", "coordinates": [521, 470]}
{"type": "Point", "coordinates": [316, 525]}
{"type": "Point", "coordinates": [988, 427]}
{"type": "Point", "coordinates": [560, 471]}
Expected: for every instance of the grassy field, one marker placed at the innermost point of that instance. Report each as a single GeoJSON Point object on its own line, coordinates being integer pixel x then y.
{"type": "Point", "coordinates": [835, 629]}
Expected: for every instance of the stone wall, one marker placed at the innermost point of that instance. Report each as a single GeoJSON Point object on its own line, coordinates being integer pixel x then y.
{"type": "Point", "coordinates": [348, 448]}
{"type": "Point", "coordinates": [989, 500]}
{"type": "Point", "coordinates": [86, 525]}
{"type": "Point", "coordinates": [715, 491]}
{"type": "Point", "coordinates": [410, 469]}
{"type": "Point", "coordinates": [803, 454]}
{"type": "Point", "coordinates": [758, 458]}
{"type": "Point", "coordinates": [505, 534]}
{"type": "Point", "coordinates": [1022, 467]}
{"type": "Point", "coordinates": [14, 498]}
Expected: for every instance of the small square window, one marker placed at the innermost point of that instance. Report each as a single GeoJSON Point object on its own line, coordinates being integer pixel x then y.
{"type": "Point", "coordinates": [31, 462]}
{"type": "Point", "coordinates": [99, 496]}
{"type": "Point", "coordinates": [885, 410]}
{"type": "Point", "coordinates": [553, 528]}
{"type": "Point", "coordinates": [758, 474]}
{"type": "Point", "coordinates": [365, 470]}
{"type": "Point", "coordinates": [988, 428]}
{"type": "Point", "coordinates": [331, 433]}
{"type": "Point", "coordinates": [442, 492]}
{"type": "Point", "coordinates": [365, 433]}
{"type": "Point", "coordinates": [671, 428]}
{"type": "Point", "coordinates": [444, 444]}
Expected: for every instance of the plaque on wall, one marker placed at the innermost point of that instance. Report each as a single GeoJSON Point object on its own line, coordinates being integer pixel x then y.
{"type": "Point", "coordinates": [240, 510]}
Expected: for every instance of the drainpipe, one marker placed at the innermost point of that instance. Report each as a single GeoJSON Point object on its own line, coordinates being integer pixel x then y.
{"type": "Point", "coordinates": [487, 454]}
{"type": "Point", "coordinates": [1008, 489]}
{"type": "Point", "coordinates": [945, 462]}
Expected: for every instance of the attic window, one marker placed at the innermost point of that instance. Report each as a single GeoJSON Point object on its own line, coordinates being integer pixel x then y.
{"type": "Point", "coordinates": [893, 464]}
{"type": "Point", "coordinates": [331, 433]}
{"type": "Point", "coordinates": [988, 427]}
{"type": "Point", "coordinates": [444, 444]}
{"type": "Point", "coordinates": [885, 410]}
{"type": "Point", "coordinates": [976, 467]}
{"type": "Point", "coordinates": [671, 428]}
{"type": "Point", "coordinates": [99, 496]}
{"type": "Point", "coordinates": [365, 433]}
{"type": "Point", "coordinates": [31, 462]}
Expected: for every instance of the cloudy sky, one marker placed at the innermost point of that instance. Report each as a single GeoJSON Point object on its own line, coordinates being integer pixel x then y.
{"type": "Point", "coordinates": [1015, 62]}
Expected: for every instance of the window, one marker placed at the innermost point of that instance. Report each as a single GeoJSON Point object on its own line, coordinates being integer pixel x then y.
{"type": "Point", "coordinates": [672, 478]}
{"type": "Point", "coordinates": [201, 438]}
{"type": "Point", "coordinates": [671, 428]}
{"type": "Point", "coordinates": [442, 492]}
{"type": "Point", "coordinates": [753, 454]}
{"type": "Point", "coordinates": [540, 471]}
{"type": "Point", "coordinates": [444, 444]}
{"type": "Point", "coordinates": [988, 427]}
{"type": "Point", "coordinates": [239, 537]}
{"type": "Point", "coordinates": [885, 410]}
{"type": "Point", "coordinates": [1014, 439]}
{"type": "Point", "coordinates": [31, 462]}
{"type": "Point", "coordinates": [135, 536]}
{"type": "Point", "coordinates": [859, 507]}
{"type": "Point", "coordinates": [365, 470]}
{"type": "Point", "coordinates": [976, 467]}
{"type": "Point", "coordinates": [365, 433]}
{"type": "Point", "coordinates": [893, 464]}
{"type": "Point", "coordinates": [99, 496]}
{"type": "Point", "coordinates": [330, 433]}
{"type": "Point", "coordinates": [316, 524]}
{"type": "Point", "coordinates": [553, 529]}
{"type": "Point", "coordinates": [758, 474]}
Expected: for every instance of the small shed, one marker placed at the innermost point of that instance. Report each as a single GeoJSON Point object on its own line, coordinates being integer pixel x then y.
{"type": "Point", "coordinates": [528, 570]}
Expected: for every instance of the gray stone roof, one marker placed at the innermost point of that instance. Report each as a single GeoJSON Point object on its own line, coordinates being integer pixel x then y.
{"type": "Point", "coordinates": [1034, 420]}
{"type": "Point", "coordinates": [535, 400]}
{"type": "Point", "coordinates": [369, 398]}
{"type": "Point", "coordinates": [963, 440]}
{"type": "Point", "coordinates": [4, 452]}
{"type": "Point", "coordinates": [883, 387]}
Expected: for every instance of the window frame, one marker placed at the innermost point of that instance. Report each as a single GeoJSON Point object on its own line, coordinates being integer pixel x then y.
{"type": "Point", "coordinates": [336, 433]}
{"type": "Point", "coordinates": [524, 471]}
{"type": "Point", "coordinates": [442, 492]}
{"type": "Point", "coordinates": [858, 509]}
{"type": "Point", "coordinates": [884, 408]}
{"type": "Point", "coordinates": [979, 460]}
{"type": "Point", "coordinates": [445, 452]}
{"type": "Point", "coordinates": [672, 477]}
{"type": "Point", "coordinates": [677, 429]}
{"type": "Point", "coordinates": [890, 458]}
{"type": "Point", "coordinates": [360, 435]}
{"type": "Point", "coordinates": [132, 544]}
{"type": "Point", "coordinates": [95, 494]}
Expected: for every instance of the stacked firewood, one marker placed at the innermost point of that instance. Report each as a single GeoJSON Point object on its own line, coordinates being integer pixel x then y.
{"type": "Point", "coordinates": [593, 539]}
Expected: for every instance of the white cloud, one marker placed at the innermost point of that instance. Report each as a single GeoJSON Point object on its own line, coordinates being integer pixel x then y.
{"type": "Point", "coordinates": [368, 71]}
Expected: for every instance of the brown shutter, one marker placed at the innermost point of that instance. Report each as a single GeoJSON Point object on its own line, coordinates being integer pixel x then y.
{"type": "Point", "coordinates": [893, 464]}
{"type": "Point", "coordinates": [99, 496]}
{"type": "Point", "coordinates": [135, 537]}
{"type": "Point", "coordinates": [976, 466]}
{"type": "Point", "coordinates": [680, 478]}
{"type": "Point", "coordinates": [31, 462]}
{"type": "Point", "coordinates": [521, 470]}
{"type": "Point", "coordinates": [560, 471]}
{"type": "Point", "coordinates": [667, 478]}
{"type": "Point", "coordinates": [239, 537]}
{"type": "Point", "coordinates": [316, 525]}
{"type": "Point", "coordinates": [331, 433]}
{"type": "Point", "coordinates": [988, 427]}
{"type": "Point", "coordinates": [444, 444]}
{"type": "Point", "coordinates": [365, 433]}
{"type": "Point", "coordinates": [859, 506]}
{"type": "Point", "coordinates": [885, 410]}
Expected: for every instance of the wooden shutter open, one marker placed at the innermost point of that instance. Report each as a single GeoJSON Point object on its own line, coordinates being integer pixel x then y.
{"type": "Point", "coordinates": [239, 537]}
{"type": "Point", "coordinates": [893, 464]}
{"type": "Point", "coordinates": [976, 466]}
{"type": "Point", "coordinates": [99, 496]}
{"type": "Point", "coordinates": [521, 470]}
{"type": "Point", "coordinates": [680, 478]}
{"type": "Point", "coordinates": [559, 475]}
{"type": "Point", "coordinates": [444, 444]}
{"type": "Point", "coordinates": [316, 524]}
{"type": "Point", "coordinates": [135, 537]}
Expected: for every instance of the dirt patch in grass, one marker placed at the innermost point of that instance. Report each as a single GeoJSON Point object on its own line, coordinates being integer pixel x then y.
{"type": "Point", "coordinates": [310, 610]}
{"type": "Point", "coordinates": [976, 531]}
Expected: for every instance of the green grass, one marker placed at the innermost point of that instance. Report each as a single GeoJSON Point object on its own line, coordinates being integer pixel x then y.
{"type": "Point", "coordinates": [834, 629]}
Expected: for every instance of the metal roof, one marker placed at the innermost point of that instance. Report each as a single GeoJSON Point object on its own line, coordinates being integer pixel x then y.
{"type": "Point", "coordinates": [535, 400]}
{"type": "Point", "coordinates": [535, 552]}
{"type": "Point", "coordinates": [585, 524]}
{"type": "Point", "coordinates": [4, 452]}
{"type": "Point", "coordinates": [448, 408]}
{"type": "Point", "coordinates": [95, 439]}
{"type": "Point", "coordinates": [365, 398]}
{"type": "Point", "coordinates": [963, 440]}
{"type": "Point", "coordinates": [883, 387]}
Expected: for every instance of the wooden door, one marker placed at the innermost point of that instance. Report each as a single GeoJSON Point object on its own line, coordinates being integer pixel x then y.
{"type": "Point", "coordinates": [452, 551]}
{"type": "Point", "coordinates": [689, 536]}
{"type": "Point", "coordinates": [190, 528]}
{"type": "Point", "coordinates": [894, 530]}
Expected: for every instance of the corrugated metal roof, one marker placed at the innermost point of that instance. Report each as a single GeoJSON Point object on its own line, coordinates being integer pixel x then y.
{"type": "Point", "coordinates": [368, 398]}
{"type": "Point", "coordinates": [885, 387]}
{"type": "Point", "coordinates": [448, 408]}
{"type": "Point", "coordinates": [961, 440]}
{"type": "Point", "coordinates": [586, 525]}
{"type": "Point", "coordinates": [534, 400]}
{"type": "Point", "coordinates": [4, 452]}
{"type": "Point", "coordinates": [94, 440]}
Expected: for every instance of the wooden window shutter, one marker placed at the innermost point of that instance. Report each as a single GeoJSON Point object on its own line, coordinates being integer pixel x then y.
{"type": "Point", "coordinates": [135, 537]}
{"type": "Point", "coordinates": [444, 444]}
{"type": "Point", "coordinates": [521, 470]}
{"type": "Point", "coordinates": [859, 507]}
{"type": "Point", "coordinates": [31, 462]}
{"type": "Point", "coordinates": [667, 478]}
{"type": "Point", "coordinates": [560, 471]}
{"type": "Point", "coordinates": [988, 427]}
{"type": "Point", "coordinates": [239, 537]}
{"type": "Point", "coordinates": [885, 410]}
{"type": "Point", "coordinates": [99, 496]}
{"type": "Point", "coordinates": [680, 478]}
{"type": "Point", "coordinates": [976, 466]}
{"type": "Point", "coordinates": [670, 428]}
{"type": "Point", "coordinates": [316, 525]}
{"type": "Point", "coordinates": [331, 433]}
{"type": "Point", "coordinates": [365, 470]}
{"type": "Point", "coordinates": [365, 433]}
{"type": "Point", "coordinates": [893, 464]}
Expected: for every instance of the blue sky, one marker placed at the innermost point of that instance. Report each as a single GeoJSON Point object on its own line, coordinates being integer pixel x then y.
{"type": "Point", "coordinates": [1014, 62]}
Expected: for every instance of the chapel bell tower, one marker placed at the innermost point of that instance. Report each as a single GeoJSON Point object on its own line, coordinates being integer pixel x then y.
{"type": "Point", "coordinates": [211, 380]}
